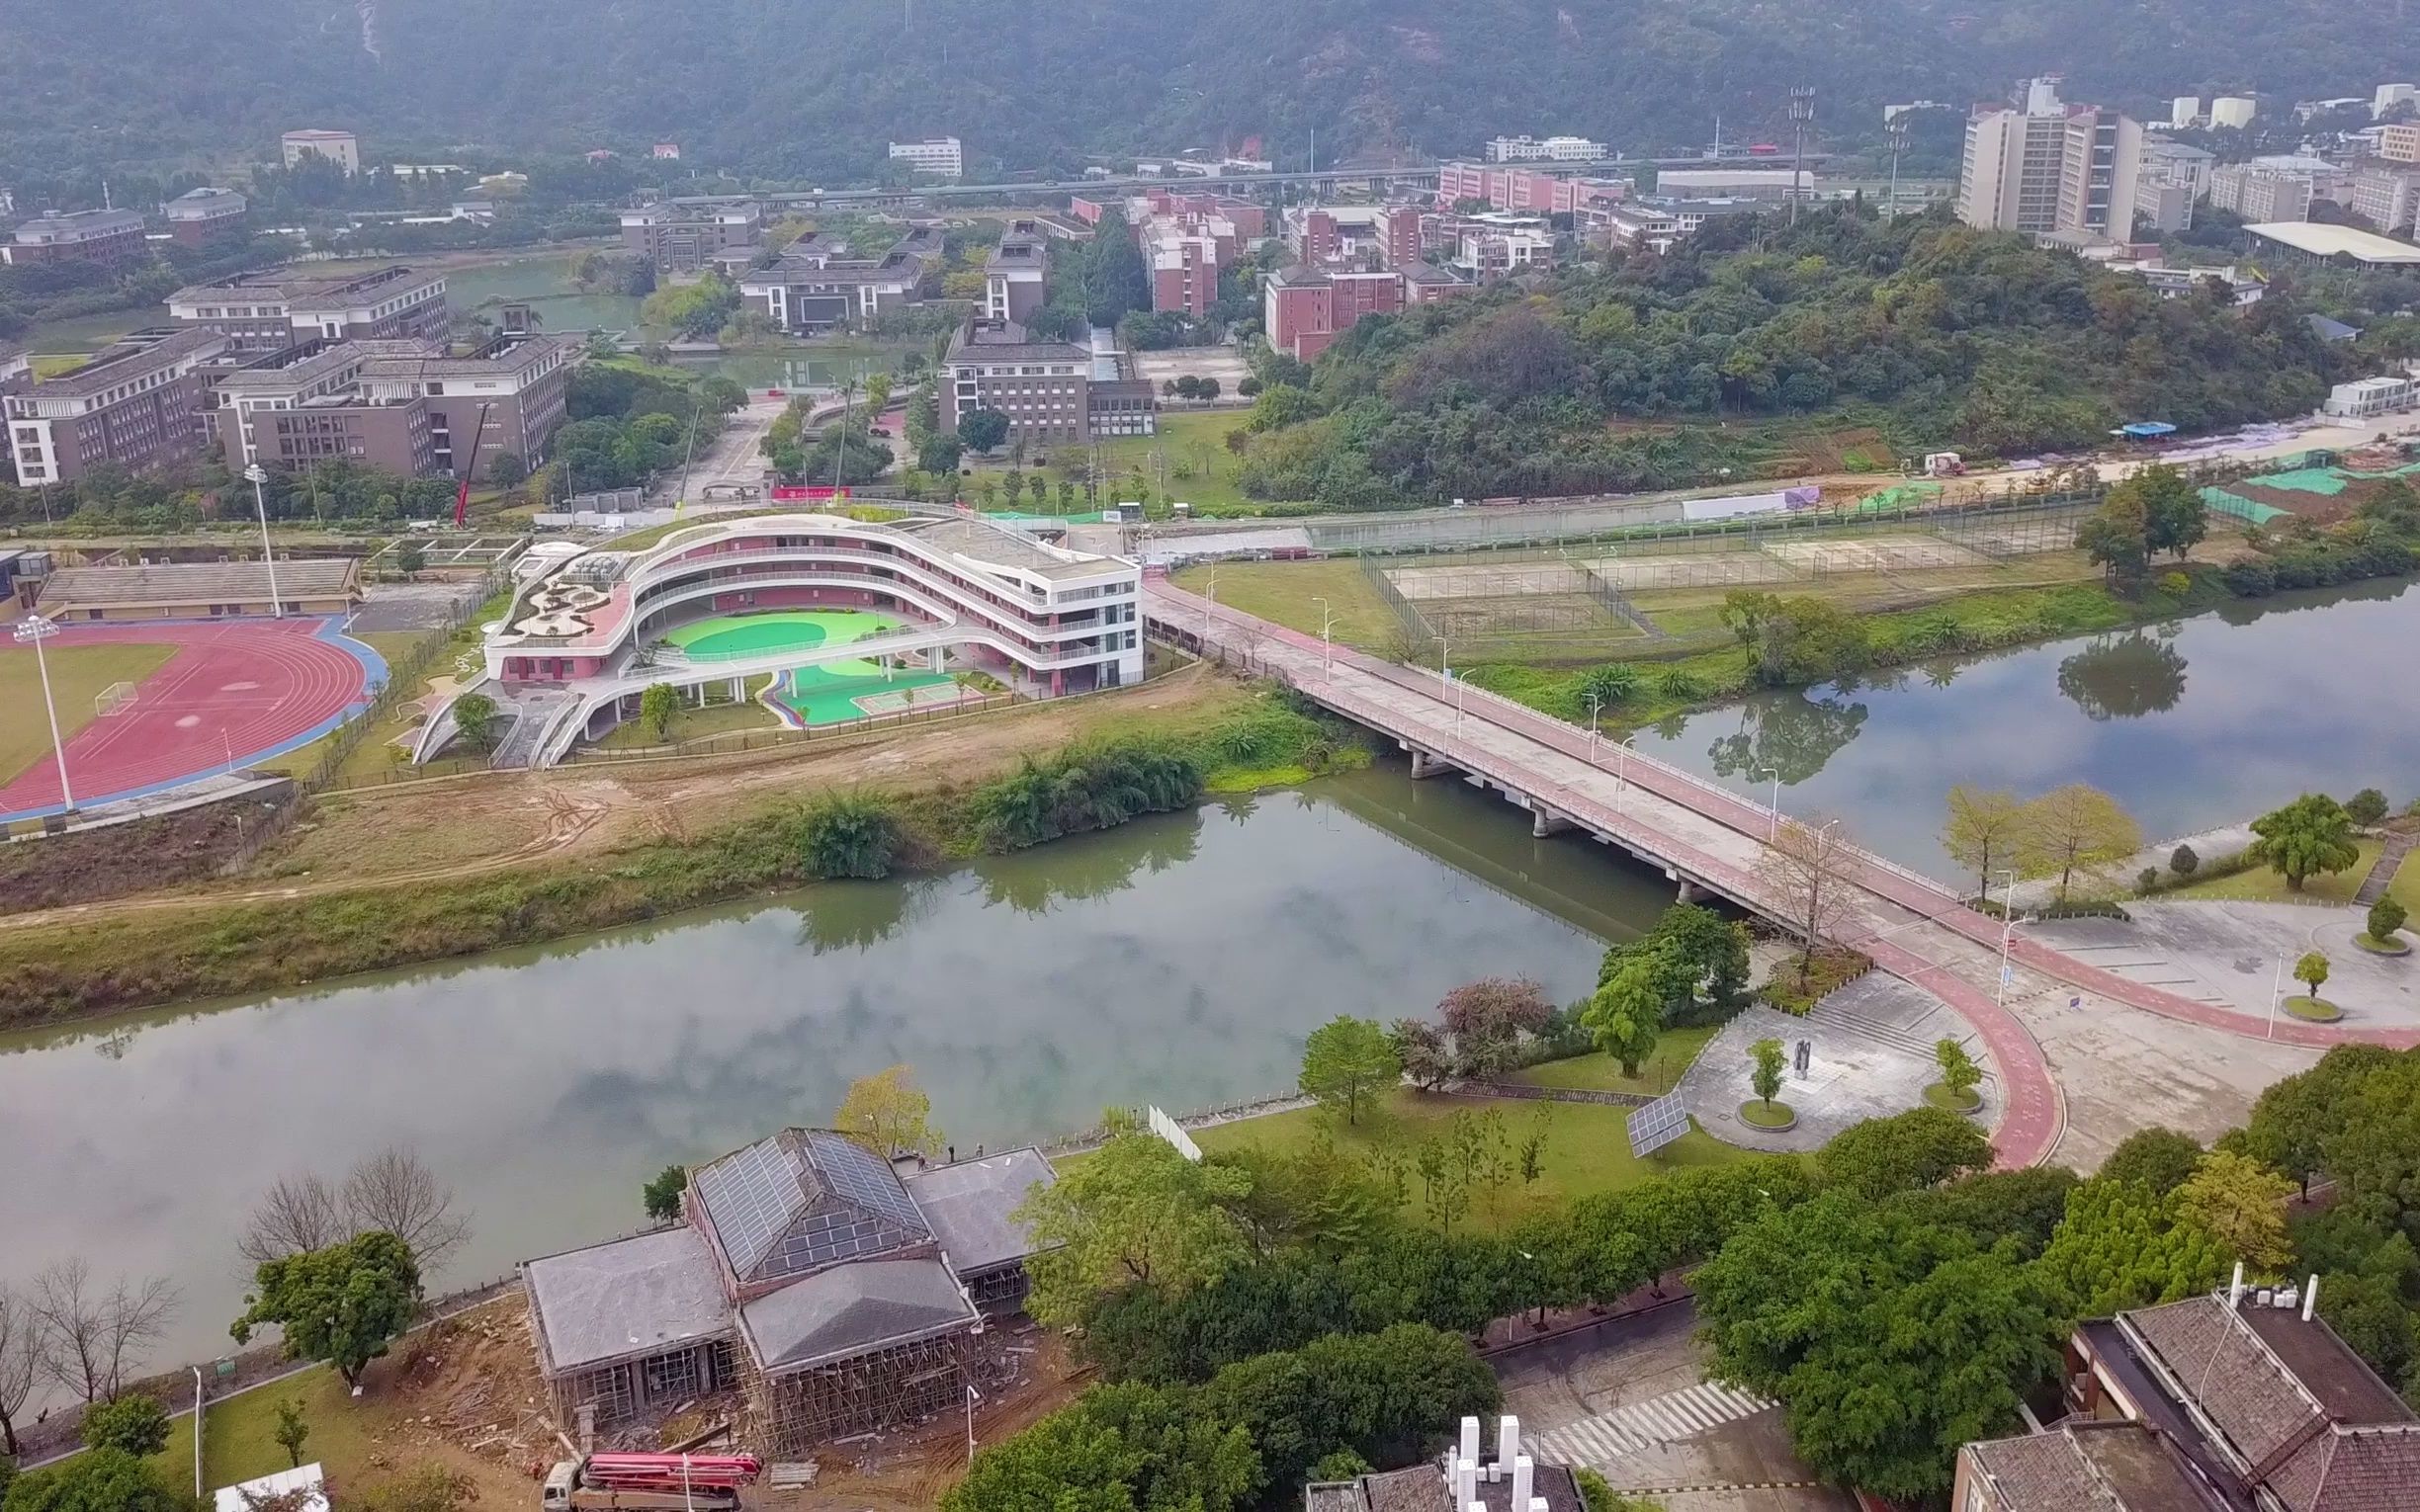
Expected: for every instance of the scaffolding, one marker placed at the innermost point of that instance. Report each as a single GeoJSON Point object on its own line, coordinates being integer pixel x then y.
{"type": "Point", "coordinates": [888, 1389]}
{"type": "Point", "coordinates": [610, 1398]}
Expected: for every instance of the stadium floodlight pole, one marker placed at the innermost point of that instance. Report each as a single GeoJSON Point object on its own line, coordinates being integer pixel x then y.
{"type": "Point", "coordinates": [32, 630]}
{"type": "Point", "coordinates": [256, 474]}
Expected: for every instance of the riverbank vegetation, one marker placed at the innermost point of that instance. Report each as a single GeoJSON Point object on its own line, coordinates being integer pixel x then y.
{"type": "Point", "coordinates": [134, 959]}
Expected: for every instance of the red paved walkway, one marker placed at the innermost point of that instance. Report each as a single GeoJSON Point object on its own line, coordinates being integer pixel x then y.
{"type": "Point", "coordinates": [244, 689]}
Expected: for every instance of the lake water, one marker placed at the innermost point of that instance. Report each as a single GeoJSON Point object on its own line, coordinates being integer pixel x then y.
{"type": "Point", "coordinates": [2190, 725]}
{"type": "Point", "coordinates": [1179, 961]}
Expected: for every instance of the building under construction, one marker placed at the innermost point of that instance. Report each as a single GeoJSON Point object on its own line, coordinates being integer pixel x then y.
{"type": "Point", "coordinates": [840, 1292]}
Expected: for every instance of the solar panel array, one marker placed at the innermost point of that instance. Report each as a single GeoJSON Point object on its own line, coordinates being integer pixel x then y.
{"type": "Point", "coordinates": [1658, 1123]}
{"type": "Point", "coordinates": [751, 1194]}
{"type": "Point", "coordinates": [783, 1210]}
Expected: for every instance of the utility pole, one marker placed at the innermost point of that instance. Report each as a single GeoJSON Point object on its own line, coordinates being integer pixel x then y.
{"type": "Point", "coordinates": [1803, 116]}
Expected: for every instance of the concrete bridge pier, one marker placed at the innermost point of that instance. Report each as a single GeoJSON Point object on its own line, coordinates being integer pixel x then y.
{"type": "Point", "coordinates": [1691, 893]}
{"type": "Point", "coordinates": [1544, 822]}
{"type": "Point", "coordinates": [1425, 765]}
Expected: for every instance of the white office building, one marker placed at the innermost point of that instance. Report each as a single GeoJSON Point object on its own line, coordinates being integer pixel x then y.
{"type": "Point", "coordinates": [939, 156]}
{"type": "Point", "coordinates": [1551, 149]}
{"type": "Point", "coordinates": [2234, 111]}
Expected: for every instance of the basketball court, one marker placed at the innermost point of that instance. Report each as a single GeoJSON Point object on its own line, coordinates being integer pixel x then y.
{"type": "Point", "coordinates": [229, 694]}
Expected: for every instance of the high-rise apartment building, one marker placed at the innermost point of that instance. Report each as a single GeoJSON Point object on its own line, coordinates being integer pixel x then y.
{"type": "Point", "coordinates": [2387, 194]}
{"type": "Point", "coordinates": [2399, 141]}
{"type": "Point", "coordinates": [2051, 167]}
{"type": "Point", "coordinates": [2261, 196]}
{"type": "Point", "coordinates": [1017, 276]}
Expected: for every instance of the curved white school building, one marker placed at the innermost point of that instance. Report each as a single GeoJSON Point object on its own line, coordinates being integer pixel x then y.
{"type": "Point", "coordinates": [591, 631]}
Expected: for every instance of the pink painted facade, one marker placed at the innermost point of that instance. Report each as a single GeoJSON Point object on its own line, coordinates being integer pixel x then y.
{"type": "Point", "coordinates": [1525, 190]}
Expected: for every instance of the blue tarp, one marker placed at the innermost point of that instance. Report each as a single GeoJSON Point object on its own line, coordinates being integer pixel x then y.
{"type": "Point", "coordinates": [2144, 430]}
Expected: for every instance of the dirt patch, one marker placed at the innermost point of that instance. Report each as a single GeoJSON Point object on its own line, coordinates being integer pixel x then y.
{"type": "Point", "coordinates": [172, 850]}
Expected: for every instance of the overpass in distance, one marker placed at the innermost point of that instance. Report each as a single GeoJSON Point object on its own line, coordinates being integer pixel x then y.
{"type": "Point", "coordinates": [1707, 839]}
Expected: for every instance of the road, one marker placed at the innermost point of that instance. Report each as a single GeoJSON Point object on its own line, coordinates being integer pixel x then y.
{"type": "Point", "coordinates": [731, 458]}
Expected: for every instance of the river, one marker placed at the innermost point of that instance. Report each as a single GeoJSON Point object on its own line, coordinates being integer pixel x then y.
{"type": "Point", "coordinates": [1177, 961]}
{"type": "Point", "coordinates": [2189, 725]}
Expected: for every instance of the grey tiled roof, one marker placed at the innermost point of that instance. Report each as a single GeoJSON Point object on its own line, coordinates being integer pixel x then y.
{"type": "Point", "coordinates": [852, 1309]}
{"type": "Point", "coordinates": [1422, 1488]}
{"type": "Point", "coordinates": [637, 1296]}
{"type": "Point", "coordinates": [2091, 1466]}
{"type": "Point", "coordinates": [968, 1205]}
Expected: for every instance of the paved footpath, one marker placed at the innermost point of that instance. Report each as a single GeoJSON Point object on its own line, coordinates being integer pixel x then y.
{"type": "Point", "coordinates": [1912, 927]}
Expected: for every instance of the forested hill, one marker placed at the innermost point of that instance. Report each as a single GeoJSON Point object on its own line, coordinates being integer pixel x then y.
{"type": "Point", "coordinates": [1662, 371]}
{"type": "Point", "coordinates": [791, 88]}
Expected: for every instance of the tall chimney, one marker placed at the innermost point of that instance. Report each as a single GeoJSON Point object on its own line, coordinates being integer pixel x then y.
{"type": "Point", "coordinates": [1470, 1440]}
{"type": "Point", "coordinates": [1523, 1472]}
{"type": "Point", "coordinates": [1507, 1448]}
{"type": "Point", "coordinates": [2234, 1300]}
{"type": "Point", "coordinates": [2310, 1298]}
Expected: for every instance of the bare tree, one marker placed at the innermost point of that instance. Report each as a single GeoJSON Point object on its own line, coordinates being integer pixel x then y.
{"type": "Point", "coordinates": [298, 1215]}
{"type": "Point", "coordinates": [92, 1336]}
{"type": "Point", "coordinates": [1806, 869]}
{"type": "Point", "coordinates": [21, 1333]}
{"type": "Point", "coordinates": [391, 1192]}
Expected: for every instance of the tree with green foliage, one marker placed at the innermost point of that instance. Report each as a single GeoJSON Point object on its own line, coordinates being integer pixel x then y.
{"type": "Point", "coordinates": [2117, 540]}
{"type": "Point", "coordinates": [2310, 836]}
{"type": "Point", "coordinates": [134, 1423]}
{"type": "Point", "coordinates": [2174, 517]}
{"type": "Point", "coordinates": [939, 454]}
{"type": "Point", "coordinates": [292, 1432]}
{"type": "Point", "coordinates": [1906, 1152]}
{"type": "Point", "coordinates": [2074, 829]}
{"type": "Point", "coordinates": [660, 704]}
{"type": "Point", "coordinates": [97, 1481]}
{"type": "Point", "coordinates": [1702, 960]}
{"type": "Point", "coordinates": [1604, 686]}
{"type": "Point", "coordinates": [1116, 1447]}
{"type": "Point", "coordinates": [2366, 808]}
{"type": "Point", "coordinates": [344, 1303]}
{"type": "Point", "coordinates": [982, 430]}
{"type": "Point", "coordinates": [2243, 1203]}
{"type": "Point", "coordinates": [2158, 1158]}
{"type": "Point", "coordinates": [1387, 1396]}
{"type": "Point", "coordinates": [1982, 831]}
{"type": "Point", "coordinates": [1596, 1494]}
{"type": "Point", "coordinates": [2124, 1245]}
{"type": "Point", "coordinates": [1891, 1339]}
{"type": "Point", "coordinates": [474, 722]}
{"type": "Point", "coordinates": [1137, 1213]}
{"type": "Point", "coordinates": [1766, 1078]}
{"type": "Point", "coordinates": [1347, 1063]}
{"type": "Point", "coordinates": [1626, 1014]}
{"type": "Point", "coordinates": [1796, 639]}
{"type": "Point", "coordinates": [2312, 972]}
{"type": "Point", "coordinates": [855, 835]}
{"type": "Point", "coordinates": [887, 1114]}
{"type": "Point", "coordinates": [1489, 1019]}
{"type": "Point", "coordinates": [662, 1195]}
{"type": "Point", "coordinates": [2184, 862]}
{"type": "Point", "coordinates": [1959, 1074]}
{"type": "Point", "coordinates": [2296, 1122]}
{"type": "Point", "coordinates": [2384, 918]}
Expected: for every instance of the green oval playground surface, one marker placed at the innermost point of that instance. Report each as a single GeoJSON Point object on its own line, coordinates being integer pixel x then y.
{"type": "Point", "coordinates": [800, 629]}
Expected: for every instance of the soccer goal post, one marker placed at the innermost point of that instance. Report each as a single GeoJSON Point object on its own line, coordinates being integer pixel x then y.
{"type": "Point", "coordinates": [115, 699]}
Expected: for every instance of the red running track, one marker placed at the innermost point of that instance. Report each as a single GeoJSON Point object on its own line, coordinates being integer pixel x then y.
{"type": "Point", "coordinates": [248, 688]}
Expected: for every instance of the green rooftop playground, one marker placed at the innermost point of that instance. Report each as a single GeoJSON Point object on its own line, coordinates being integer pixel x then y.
{"type": "Point", "coordinates": [830, 692]}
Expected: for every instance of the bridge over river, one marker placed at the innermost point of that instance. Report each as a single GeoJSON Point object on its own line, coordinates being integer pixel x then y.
{"type": "Point", "coordinates": [1707, 838]}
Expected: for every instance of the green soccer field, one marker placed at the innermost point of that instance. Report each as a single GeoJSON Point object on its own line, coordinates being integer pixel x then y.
{"type": "Point", "coordinates": [729, 636]}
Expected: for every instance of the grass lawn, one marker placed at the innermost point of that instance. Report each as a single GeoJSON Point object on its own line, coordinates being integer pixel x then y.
{"type": "Point", "coordinates": [237, 1441]}
{"type": "Point", "coordinates": [1675, 1050]}
{"type": "Point", "coordinates": [1194, 444]}
{"type": "Point", "coordinates": [77, 674]}
{"type": "Point", "coordinates": [2259, 885]}
{"type": "Point", "coordinates": [693, 723]}
{"type": "Point", "coordinates": [1588, 1145]}
{"type": "Point", "coordinates": [393, 645]}
{"type": "Point", "coordinates": [1283, 590]}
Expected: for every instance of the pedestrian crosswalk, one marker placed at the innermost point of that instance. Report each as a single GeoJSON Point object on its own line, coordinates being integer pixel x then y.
{"type": "Point", "coordinates": [1675, 1415]}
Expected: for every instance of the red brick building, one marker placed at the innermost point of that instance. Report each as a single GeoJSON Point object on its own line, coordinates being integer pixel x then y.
{"type": "Point", "coordinates": [113, 238]}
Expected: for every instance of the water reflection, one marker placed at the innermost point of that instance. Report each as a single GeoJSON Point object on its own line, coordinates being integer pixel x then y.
{"type": "Point", "coordinates": [2124, 677]}
{"type": "Point", "coordinates": [2292, 694]}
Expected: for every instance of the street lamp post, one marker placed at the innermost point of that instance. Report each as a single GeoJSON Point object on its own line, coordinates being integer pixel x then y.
{"type": "Point", "coordinates": [1773, 830]}
{"type": "Point", "coordinates": [1621, 769]}
{"type": "Point", "coordinates": [2008, 923]}
{"type": "Point", "coordinates": [256, 474]}
{"type": "Point", "coordinates": [1595, 702]}
{"type": "Point", "coordinates": [32, 630]}
{"type": "Point", "coordinates": [1327, 621]}
{"type": "Point", "coordinates": [1445, 672]}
